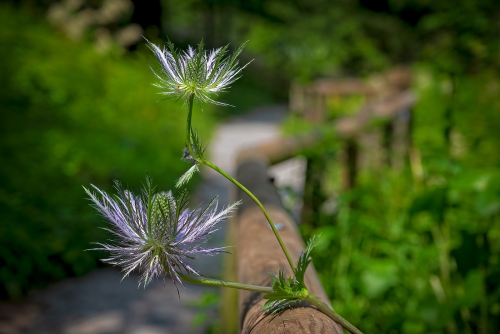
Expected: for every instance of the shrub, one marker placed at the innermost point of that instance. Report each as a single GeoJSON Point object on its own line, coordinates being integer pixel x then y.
{"type": "Point", "coordinates": [69, 117]}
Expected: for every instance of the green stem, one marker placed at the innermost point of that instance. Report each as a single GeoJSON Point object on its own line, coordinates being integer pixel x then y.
{"type": "Point", "coordinates": [313, 300]}
{"type": "Point", "coordinates": [230, 178]}
{"type": "Point", "coordinates": [264, 289]}
{"type": "Point", "coordinates": [331, 313]}
{"type": "Point", "coordinates": [188, 126]}
{"type": "Point", "coordinates": [214, 282]}
{"type": "Point", "coordinates": [239, 185]}
{"type": "Point", "coordinates": [225, 284]}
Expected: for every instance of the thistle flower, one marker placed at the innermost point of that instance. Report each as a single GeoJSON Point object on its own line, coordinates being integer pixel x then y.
{"type": "Point", "coordinates": [196, 71]}
{"type": "Point", "coordinates": [156, 233]}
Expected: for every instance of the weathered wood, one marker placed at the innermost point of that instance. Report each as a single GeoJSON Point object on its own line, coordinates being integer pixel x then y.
{"type": "Point", "coordinates": [278, 150]}
{"type": "Point", "coordinates": [382, 109]}
{"type": "Point", "coordinates": [308, 99]}
{"type": "Point", "coordinates": [398, 77]}
{"type": "Point", "coordinates": [259, 255]}
{"type": "Point", "coordinates": [344, 87]}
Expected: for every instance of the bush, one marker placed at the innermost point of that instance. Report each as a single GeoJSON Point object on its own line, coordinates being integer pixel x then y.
{"type": "Point", "coordinates": [410, 253]}
{"type": "Point", "coordinates": [70, 117]}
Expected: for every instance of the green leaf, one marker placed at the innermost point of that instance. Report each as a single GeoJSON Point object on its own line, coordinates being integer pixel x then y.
{"type": "Point", "coordinates": [198, 148]}
{"type": "Point", "coordinates": [305, 259]}
{"type": "Point", "coordinates": [186, 176]}
{"type": "Point", "coordinates": [287, 290]}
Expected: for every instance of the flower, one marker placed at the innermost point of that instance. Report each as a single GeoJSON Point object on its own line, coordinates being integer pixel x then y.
{"type": "Point", "coordinates": [196, 72]}
{"type": "Point", "coordinates": [156, 233]}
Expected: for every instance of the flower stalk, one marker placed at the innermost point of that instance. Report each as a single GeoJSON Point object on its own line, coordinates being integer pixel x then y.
{"type": "Point", "coordinates": [225, 284]}
{"type": "Point", "coordinates": [259, 204]}
{"type": "Point", "coordinates": [313, 300]}
{"type": "Point", "coordinates": [157, 234]}
{"type": "Point", "coordinates": [207, 163]}
{"type": "Point", "coordinates": [188, 128]}
{"type": "Point", "coordinates": [155, 231]}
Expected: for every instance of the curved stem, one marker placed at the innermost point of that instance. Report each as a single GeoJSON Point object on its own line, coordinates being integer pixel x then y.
{"type": "Point", "coordinates": [226, 284]}
{"type": "Point", "coordinates": [331, 313]}
{"type": "Point", "coordinates": [230, 178]}
{"type": "Point", "coordinates": [220, 283]}
{"type": "Point", "coordinates": [239, 185]}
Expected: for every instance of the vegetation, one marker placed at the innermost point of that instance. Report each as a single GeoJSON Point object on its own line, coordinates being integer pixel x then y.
{"type": "Point", "coordinates": [416, 250]}
{"type": "Point", "coordinates": [406, 251]}
{"type": "Point", "coordinates": [70, 117]}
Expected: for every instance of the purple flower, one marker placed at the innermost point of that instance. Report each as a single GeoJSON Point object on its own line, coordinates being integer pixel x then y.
{"type": "Point", "coordinates": [155, 232]}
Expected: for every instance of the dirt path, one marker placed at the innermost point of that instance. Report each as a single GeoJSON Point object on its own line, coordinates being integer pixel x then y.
{"type": "Point", "coordinates": [99, 303]}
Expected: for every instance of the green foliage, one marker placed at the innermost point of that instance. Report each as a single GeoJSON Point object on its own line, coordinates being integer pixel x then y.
{"type": "Point", "coordinates": [198, 147]}
{"type": "Point", "coordinates": [409, 252]}
{"type": "Point", "coordinates": [344, 105]}
{"type": "Point", "coordinates": [284, 293]}
{"type": "Point", "coordinates": [287, 290]}
{"type": "Point", "coordinates": [304, 260]}
{"type": "Point", "coordinates": [69, 117]}
{"type": "Point", "coordinates": [304, 39]}
{"type": "Point", "coordinates": [205, 305]}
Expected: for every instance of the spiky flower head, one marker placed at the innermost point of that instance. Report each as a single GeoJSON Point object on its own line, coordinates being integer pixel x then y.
{"type": "Point", "coordinates": [196, 72]}
{"type": "Point", "coordinates": [155, 232]}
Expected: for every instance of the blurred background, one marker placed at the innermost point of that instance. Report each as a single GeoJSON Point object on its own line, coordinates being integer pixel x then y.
{"type": "Point", "coordinates": [413, 248]}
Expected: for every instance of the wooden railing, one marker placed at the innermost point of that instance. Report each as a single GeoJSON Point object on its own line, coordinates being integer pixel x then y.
{"type": "Point", "coordinates": [383, 123]}
{"type": "Point", "coordinates": [388, 110]}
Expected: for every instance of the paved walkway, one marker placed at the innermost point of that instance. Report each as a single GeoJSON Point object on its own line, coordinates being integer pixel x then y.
{"type": "Point", "coordinates": [99, 303]}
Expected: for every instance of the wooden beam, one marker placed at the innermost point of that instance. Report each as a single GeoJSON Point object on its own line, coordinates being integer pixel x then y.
{"type": "Point", "coordinates": [383, 109]}
{"type": "Point", "coordinates": [278, 150]}
{"type": "Point", "coordinates": [259, 255]}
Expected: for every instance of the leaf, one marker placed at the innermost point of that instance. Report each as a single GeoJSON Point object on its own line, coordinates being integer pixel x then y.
{"type": "Point", "coordinates": [283, 293]}
{"type": "Point", "coordinates": [287, 290]}
{"type": "Point", "coordinates": [186, 176]}
{"type": "Point", "coordinates": [197, 145]}
{"type": "Point", "coordinates": [432, 201]}
{"type": "Point", "coordinates": [276, 306]}
{"type": "Point", "coordinates": [304, 260]}
{"type": "Point", "coordinates": [379, 276]}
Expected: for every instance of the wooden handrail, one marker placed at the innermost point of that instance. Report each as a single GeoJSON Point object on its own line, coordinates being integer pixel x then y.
{"type": "Point", "coordinates": [384, 109]}
{"type": "Point", "coordinates": [259, 254]}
